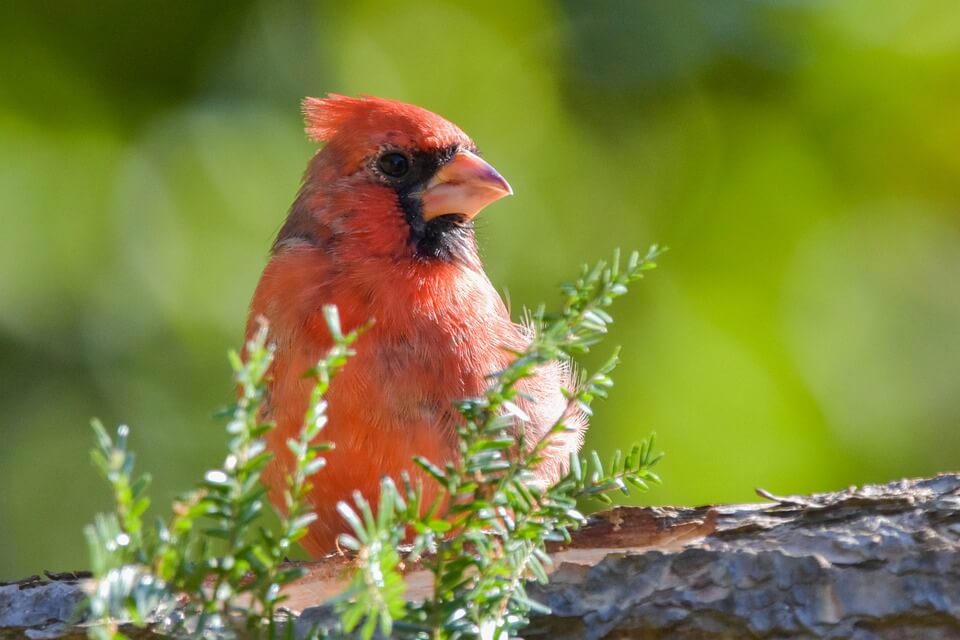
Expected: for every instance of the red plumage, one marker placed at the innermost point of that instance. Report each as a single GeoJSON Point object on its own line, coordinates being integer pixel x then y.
{"type": "Point", "coordinates": [397, 248]}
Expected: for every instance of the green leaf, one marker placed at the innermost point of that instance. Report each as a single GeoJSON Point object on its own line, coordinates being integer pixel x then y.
{"type": "Point", "coordinates": [483, 533]}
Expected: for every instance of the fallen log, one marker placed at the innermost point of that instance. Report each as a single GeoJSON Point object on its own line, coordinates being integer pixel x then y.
{"type": "Point", "coordinates": [875, 562]}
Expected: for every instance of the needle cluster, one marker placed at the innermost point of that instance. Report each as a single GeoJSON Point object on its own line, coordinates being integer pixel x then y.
{"type": "Point", "coordinates": [215, 569]}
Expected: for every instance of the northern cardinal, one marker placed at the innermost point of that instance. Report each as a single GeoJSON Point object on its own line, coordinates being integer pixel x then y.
{"type": "Point", "coordinates": [382, 227]}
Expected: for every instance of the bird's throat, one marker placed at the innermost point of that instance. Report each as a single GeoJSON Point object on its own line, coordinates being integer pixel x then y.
{"type": "Point", "coordinates": [447, 239]}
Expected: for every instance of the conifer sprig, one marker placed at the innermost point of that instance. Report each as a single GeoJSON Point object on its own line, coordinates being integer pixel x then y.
{"type": "Point", "coordinates": [214, 570]}
{"type": "Point", "coordinates": [501, 515]}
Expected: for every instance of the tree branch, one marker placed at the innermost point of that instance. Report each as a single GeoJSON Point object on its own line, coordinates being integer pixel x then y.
{"type": "Point", "coordinates": [876, 562]}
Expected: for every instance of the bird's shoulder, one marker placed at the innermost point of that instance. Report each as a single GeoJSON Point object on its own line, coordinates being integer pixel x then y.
{"type": "Point", "coordinates": [293, 288]}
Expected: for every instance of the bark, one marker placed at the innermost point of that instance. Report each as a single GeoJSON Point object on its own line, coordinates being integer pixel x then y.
{"type": "Point", "coordinates": [867, 563]}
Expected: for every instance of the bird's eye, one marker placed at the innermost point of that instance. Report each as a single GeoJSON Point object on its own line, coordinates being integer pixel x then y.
{"type": "Point", "coordinates": [394, 164]}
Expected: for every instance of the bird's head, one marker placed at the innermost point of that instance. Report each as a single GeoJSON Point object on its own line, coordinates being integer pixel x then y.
{"type": "Point", "coordinates": [393, 180]}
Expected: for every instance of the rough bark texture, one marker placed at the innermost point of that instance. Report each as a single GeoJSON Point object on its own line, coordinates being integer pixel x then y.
{"type": "Point", "coordinates": [876, 562]}
{"type": "Point", "coordinates": [868, 563]}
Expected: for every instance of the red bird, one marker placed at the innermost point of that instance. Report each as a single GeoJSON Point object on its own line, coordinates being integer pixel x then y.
{"type": "Point", "coordinates": [382, 227]}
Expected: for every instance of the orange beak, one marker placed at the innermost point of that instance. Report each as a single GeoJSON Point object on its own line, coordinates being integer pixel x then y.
{"type": "Point", "coordinates": [464, 185]}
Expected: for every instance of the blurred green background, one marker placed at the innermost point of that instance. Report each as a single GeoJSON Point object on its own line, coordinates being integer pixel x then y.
{"type": "Point", "coordinates": [801, 159]}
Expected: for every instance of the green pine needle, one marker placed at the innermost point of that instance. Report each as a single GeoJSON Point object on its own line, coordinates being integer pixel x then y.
{"type": "Point", "coordinates": [214, 569]}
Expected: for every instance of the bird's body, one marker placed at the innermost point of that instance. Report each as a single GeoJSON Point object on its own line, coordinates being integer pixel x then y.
{"type": "Point", "coordinates": [389, 239]}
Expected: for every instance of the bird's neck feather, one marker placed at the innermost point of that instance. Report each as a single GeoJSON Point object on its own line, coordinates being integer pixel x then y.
{"type": "Point", "coordinates": [301, 279]}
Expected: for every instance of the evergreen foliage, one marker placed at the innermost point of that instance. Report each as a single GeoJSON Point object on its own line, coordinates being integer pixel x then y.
{"type": "Point", "coordinates": [214, 569]}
